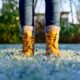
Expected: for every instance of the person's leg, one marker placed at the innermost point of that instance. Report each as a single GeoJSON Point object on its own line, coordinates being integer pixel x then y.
{"type": "Point", "coordinates": [26, 12]}
{"type": "Point", "coordinates": [52, 18]}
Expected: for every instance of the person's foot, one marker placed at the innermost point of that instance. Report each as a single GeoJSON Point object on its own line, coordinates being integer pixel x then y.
{"type": "Point", "coordinates": [52, 38]}
{"type": "Point", "coordinates": [28, 41]}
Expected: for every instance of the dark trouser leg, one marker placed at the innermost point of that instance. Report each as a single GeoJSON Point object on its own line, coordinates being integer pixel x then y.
{"type": "Point", "coordinates": [52, 12]}
{"type": "Point", "coordinates": [26, 12]}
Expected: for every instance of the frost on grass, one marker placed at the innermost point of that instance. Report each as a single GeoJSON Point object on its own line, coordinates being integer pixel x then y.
{"type": "Point", "coordinates": [14, 66]}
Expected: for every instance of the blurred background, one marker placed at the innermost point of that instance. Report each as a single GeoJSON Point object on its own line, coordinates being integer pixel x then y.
{"type": "Point", "coordinates": [10, 22]}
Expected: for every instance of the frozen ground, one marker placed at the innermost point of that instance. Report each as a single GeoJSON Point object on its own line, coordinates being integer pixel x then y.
{"type": "Point", "coordinates": [14, 66]}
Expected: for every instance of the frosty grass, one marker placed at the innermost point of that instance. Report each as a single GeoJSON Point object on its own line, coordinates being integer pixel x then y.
{"type": "Point", "coordinates": [14, 66]}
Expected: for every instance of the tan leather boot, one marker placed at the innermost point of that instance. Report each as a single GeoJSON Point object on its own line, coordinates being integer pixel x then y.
{"type": "Point", "coordinates": [28, 41]}
{"type": "Point", "coordinates": [52, 38]}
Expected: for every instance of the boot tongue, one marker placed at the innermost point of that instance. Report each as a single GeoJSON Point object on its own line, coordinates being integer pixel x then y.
{"type": "Point", "coordinates": [29, 33]}
{"type": "Point", "coordinates": [28, 30]}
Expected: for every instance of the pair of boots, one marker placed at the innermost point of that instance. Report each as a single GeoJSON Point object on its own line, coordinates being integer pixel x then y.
{"type": "Point", "coordinates": [52, 38]}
